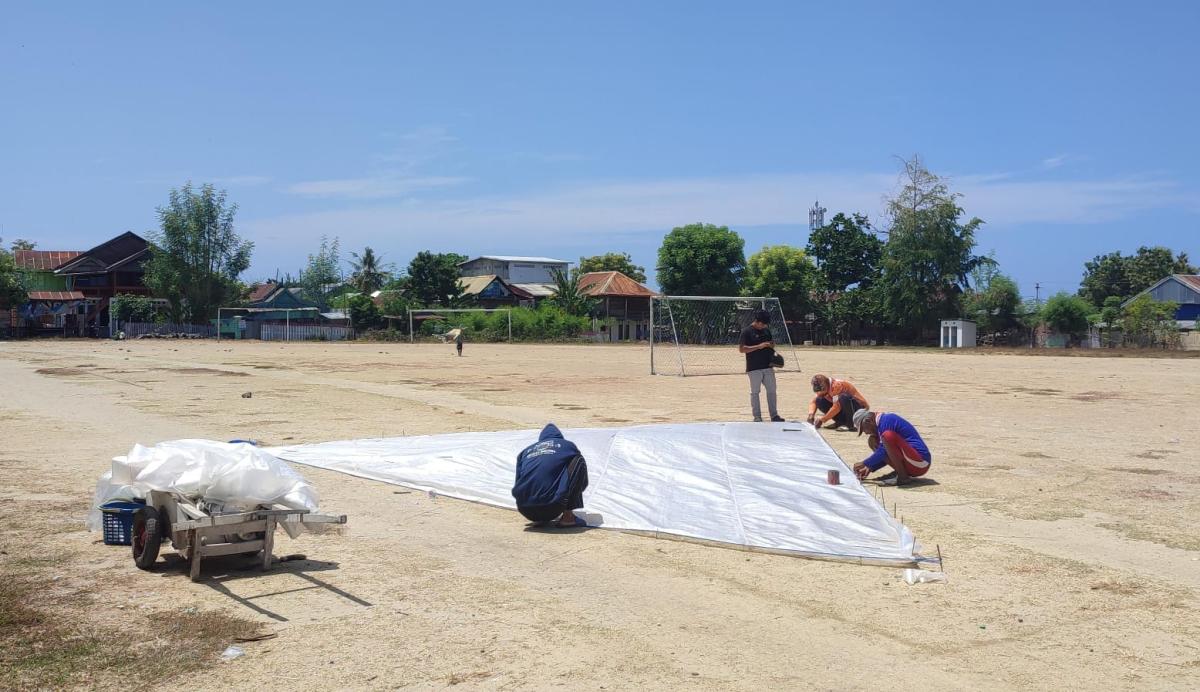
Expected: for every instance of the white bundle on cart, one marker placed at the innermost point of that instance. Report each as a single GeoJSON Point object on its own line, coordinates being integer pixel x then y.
{"type": "Point", "coordinates": [220, 477]}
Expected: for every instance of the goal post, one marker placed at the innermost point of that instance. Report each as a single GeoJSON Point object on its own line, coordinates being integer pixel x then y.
{"type": "Point", "coordinates": [699, 335]}
{"type": "Point", "coordinates": [491, 324]}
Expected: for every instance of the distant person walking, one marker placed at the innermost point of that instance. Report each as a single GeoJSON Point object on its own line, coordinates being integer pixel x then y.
{"type": "Point", "coordinates": [759, 346]}
{"type": "Point", "coordinates": [551, 478]}
{"type": "Point", "coordinates": [457, 335]}
{"type": "Point", "coordinates": [836, 400]}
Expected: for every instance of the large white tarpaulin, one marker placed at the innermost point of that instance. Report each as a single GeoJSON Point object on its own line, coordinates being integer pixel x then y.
{"type": "Point", "coordinates": [757, 485]}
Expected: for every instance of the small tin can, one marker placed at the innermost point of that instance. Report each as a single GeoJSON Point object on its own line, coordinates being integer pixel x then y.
{"type": "Point", "coordinates": [834, 477]}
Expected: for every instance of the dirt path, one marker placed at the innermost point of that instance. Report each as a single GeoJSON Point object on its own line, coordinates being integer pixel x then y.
{"type": "Point", "coordinates": [1064, 506]}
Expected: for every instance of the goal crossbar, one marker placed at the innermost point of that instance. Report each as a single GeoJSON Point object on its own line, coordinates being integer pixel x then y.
{"type": "Point", "coordinates": [691, 335]}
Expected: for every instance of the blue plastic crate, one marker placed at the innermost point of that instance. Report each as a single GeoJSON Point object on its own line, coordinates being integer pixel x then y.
{"type": "Point", "coordinates": [118, 521]}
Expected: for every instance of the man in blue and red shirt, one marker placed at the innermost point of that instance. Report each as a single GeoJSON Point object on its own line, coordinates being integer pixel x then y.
{"type": "Point", "coordinates": [895, 443]}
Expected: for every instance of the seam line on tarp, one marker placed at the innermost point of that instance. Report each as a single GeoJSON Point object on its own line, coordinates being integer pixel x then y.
{"type": "Point", "coordinates": [737, 508]}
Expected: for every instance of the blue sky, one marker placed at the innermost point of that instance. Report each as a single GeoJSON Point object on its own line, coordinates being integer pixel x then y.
{"type": "Point", "coordinates": [564, 129]}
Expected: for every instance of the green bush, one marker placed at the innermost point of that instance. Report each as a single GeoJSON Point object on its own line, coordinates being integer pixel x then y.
{"type": "Point", "coordinates": [545, 323]}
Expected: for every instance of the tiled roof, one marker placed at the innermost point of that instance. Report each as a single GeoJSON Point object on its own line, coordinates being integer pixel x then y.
{"type": "Point", "coordinates": [612, 283]}
{"type": "Point", "coordinates": [108, 256]}
{"type": "Point", "coordinates": [56, 295]}
{"type": "Point", "coordinates": [43, 260]}
{"type": "Point", "coordinates": [261, 291]}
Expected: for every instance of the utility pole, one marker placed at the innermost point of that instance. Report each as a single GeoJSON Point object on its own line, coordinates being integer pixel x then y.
{"type": "Point", "coordinates": [1037, 303]}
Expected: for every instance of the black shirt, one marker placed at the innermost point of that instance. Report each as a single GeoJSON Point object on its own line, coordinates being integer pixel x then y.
{"type": "Point", "coordinates": [760, 359]}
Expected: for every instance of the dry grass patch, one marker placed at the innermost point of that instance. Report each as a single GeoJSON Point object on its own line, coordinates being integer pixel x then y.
{"type": "Point", "coordinates": [42, 646]}
{"type": "Point", "coordinates": [1117, 587]}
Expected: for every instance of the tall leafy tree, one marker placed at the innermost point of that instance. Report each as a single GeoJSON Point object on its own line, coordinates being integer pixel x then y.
{"type": "Point", "coordinates": [701, 259]}
{"type": "Point", "coordinates": [783, 272]}
{"type": "Point", "coordinates": [196, 257]}
{"type": "Point", "coordinates": [567, 295]}
{"type": "Point", "coordinates": [369, 274]}
{"type": "Point", "coordinates": [613, 262]}
{"type": "Point", "coordinates": [1150, 264]}
{"type": "Point", "coordinates": [322, 271]}
{"type": "Point", "coordinates": [930, 253]}
{"type": "Point", "coordinates": [1124, 276]}
{"type": "Point", "coordinates": [22, 244]}
{"type": "Point", "coordinates": [847, 252]}
{"type": "Point", "coordinates": [433, 279]}
{"type": "Point", "coordinates": [1104, 276]}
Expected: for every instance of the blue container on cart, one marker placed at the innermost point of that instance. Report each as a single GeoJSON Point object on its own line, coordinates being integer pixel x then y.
{"type": "Point", "coordinates": [118, 521]}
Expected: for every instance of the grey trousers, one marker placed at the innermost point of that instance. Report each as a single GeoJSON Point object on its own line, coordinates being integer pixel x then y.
{"type": "Point", "coordinates": [758, 379]}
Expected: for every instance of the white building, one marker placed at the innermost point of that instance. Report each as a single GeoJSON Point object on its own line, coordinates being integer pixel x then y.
{"type": "Point", "coordinates": [958, 334]}
{"type": "Point", "coordinates": [515, 270]}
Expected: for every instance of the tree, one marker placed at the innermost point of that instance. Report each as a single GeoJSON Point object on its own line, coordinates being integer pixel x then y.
{"type": "Point", "coordinates": [433, 279]}
{"type": "Point", "coordinates": [783, 272]}
{"type": "Point", "coordinates": [12, 290]}
{"type": "Point", "coordinates": [368, 275]}
{"type": "Point", "coordinates": [364, 314]}
{"type": "Point", "coordinates": [613, 262]}
{"type": "Point", "coordinates": [1110, 315]}
{"type": "Point", "coordinates": [701, 259]}
{"type": "Point", "coordinates": [1104, 276]}
{"type": "Point", "coordinates": [568, 297]}
{"type": "Point", "coordinates": [1148, 322]}
{"type": "Point", "coordinates": [1067, 314]}
{"type": "Point", "coordinates": [847, 252]}
{"type": "Point", "coordinates": [322, 271]}
{"type": "Point", "coordinates": [995, 302]}
{"type": "Point", "coordinates": [22, 244]}
{"type": "Point", "coordinates": [1124, 276]}
{"type": "Point", "coordinates": [929, 255]}
{"type": "Point", "coordinates": [196, 257]}
{"type": "Point", "coordinates": [1150, 264]}
{"type": "Point", "coordinates": [128, 307]}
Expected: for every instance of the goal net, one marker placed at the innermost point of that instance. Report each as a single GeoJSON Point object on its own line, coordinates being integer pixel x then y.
{"type": "Point", "coordinates": [699, 335]}
{"type": "Point", "coordinates": [477, 324]}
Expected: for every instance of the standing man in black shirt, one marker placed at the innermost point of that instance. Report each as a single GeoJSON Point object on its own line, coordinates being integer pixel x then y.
{"type": "Point", "coordinates": [759, 347]}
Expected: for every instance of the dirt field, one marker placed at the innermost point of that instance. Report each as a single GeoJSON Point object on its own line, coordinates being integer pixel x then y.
{"type": "Point", "coordinates": [1065, 507]}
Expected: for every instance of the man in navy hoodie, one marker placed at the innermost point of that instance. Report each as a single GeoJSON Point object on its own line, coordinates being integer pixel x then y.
{"type": "Point", "coordinates": [551, 478]}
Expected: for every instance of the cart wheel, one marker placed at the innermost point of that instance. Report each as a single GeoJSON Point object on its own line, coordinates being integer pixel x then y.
{"type": "Point", "coordinates": [147, 537]}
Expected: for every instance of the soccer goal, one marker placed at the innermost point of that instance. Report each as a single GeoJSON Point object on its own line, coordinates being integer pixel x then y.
{"type": "Point", "coordinates": [480, 324]}
{"type": "Point", "coordinates": [699, 335]}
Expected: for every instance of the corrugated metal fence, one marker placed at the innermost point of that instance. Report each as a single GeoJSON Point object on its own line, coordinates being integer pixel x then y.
{"type": "Point", "coordinates": [304, 332]}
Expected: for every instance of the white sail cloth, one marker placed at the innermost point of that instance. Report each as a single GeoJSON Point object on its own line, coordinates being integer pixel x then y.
{"type": "Point", "coordinates": [758, 485]}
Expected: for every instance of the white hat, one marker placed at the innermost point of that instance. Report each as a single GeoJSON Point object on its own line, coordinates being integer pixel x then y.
{"type": "Point", "coordinates": [860, 416]}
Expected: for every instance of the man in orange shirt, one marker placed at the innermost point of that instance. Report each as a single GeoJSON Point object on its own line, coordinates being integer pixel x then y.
{"type": "Point", "coordinates": [836, 400]}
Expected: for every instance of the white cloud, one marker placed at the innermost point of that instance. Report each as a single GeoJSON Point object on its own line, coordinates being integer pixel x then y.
{"type": "Point", "coordinates": [583, 214]}
{"type": "Point", "coordinates": [378, 187]}
{"type": "Point", "coordinates": [1054, 161]}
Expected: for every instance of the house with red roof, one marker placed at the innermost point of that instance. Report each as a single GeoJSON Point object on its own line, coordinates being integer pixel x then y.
{"type": "Point", "coordinates": [50, 305]}
{"type": "Point", "coordinates": [624, 305]}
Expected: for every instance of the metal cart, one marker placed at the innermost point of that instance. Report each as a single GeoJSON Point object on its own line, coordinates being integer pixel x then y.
{"type": "Point", "coordinates": [196, 533]}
